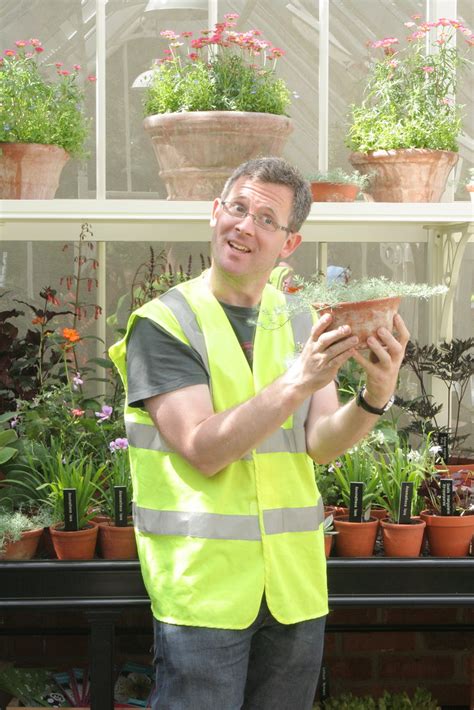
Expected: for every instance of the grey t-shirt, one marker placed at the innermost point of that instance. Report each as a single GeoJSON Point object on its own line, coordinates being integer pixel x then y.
{"type": "Point", "coordinates": [157, 362]}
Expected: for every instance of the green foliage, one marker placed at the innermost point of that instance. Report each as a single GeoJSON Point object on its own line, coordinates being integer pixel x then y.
{"type": "Point", "coordinates": [66, 471]}
{"type": "Point", "coordinates": [357, 465]}
{"type": "Point", "coordinates": [453, 364]}
{"type": "Point", "coordinates": [340, 177]}
{"type": "Point", "coordinates": [219, 72]}
{"type": "Point", "coordinates": [407, 101]}
{"type": "Point", "coordinates": [118, 474]}
{"type": "Point", "coordinates": [14, 523]}
{"type": "Point", "coordinates": [420, 700]}
{"type": "Point", "coordinates": [7, 437]}
{"type": "Point", "coordinates": [34, 109]}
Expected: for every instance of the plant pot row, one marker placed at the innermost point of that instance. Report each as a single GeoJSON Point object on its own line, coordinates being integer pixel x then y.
{"type": "Point", "coordinates": [111, 542]}
{"type": "Point", "coordinates": [446, 536]}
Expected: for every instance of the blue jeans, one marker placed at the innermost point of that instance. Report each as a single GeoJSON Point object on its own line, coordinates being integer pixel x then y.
{"type": "Point", "coordinates": [268, 666]}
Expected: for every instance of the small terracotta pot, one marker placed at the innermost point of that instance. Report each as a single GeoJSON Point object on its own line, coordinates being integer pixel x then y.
{"type": "Point", "coordinates": [355, 539]}
{"type": "Point", "coordinates": [328, 544]}
{"type": "Point", "coordinates": [117, 543]}
{"type": "Point", "coordinates": [333, 192]}
{"type": "Point", "coordinates": [23, 549]}
{"type": "Point", "coordinates": [364, 317]}
{"type": "Point", "coordinates": [448, 535]}
{"type": "Point", "coordinates": [403, 540]}
{"type": "Point", "coordinates": [74, 544]}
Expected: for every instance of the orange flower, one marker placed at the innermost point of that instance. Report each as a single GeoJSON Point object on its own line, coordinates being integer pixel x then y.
{"type": "Point", "coordinates": [71, 334]}
{"type": "Point", "coordinates": [39, 320]}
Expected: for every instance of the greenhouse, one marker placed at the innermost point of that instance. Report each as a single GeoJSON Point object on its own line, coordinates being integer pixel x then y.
{"type": "Point", "coordinates": [236, 333]}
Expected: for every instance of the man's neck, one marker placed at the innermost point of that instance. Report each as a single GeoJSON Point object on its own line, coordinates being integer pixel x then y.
{"type": "Point", "coordinates": [236, 291]}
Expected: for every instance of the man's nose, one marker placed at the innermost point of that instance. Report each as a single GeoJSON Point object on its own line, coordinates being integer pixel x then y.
{"type": "Point", "coordinates": [246, 224]}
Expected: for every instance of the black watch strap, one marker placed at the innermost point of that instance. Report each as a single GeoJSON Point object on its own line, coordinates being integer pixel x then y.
{"type": "Point", "coordinates": [361, 402]}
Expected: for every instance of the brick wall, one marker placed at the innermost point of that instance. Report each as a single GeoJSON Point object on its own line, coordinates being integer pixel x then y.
{"type": "Point", "coordinates": [367, 661]}
{"type": "Point", "coordinates": [363, 660]}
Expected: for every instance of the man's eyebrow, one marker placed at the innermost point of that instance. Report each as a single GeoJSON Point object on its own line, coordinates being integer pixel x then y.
{"type": "Point", "coordinates": [242, 198]}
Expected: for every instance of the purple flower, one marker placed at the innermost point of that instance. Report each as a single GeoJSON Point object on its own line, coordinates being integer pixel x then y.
{"type": "Point", "coordinates": [118, 444]}
{"type": "Point", "coordinates": [105, 413]}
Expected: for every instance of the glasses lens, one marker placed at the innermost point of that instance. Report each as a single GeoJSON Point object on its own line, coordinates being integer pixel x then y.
{"type": "Point", "coordinates": [265, 223]}
{"type": "Point", "coordinates": [235, 209]}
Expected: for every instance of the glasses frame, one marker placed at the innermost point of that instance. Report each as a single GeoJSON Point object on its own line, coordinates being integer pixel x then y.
{"type": "Point", "coordinates": [245, 214]}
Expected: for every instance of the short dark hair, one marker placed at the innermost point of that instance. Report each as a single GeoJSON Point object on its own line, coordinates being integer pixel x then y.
{"type": "Point", "coordinates": [280, 172]}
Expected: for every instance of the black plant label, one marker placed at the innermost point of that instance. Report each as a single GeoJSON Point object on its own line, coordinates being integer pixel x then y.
{"type": "Point", "coordinates": [355, 502]}
{"type": "Point", "coordinates": [120, 505]}
{"type": "Point", "coordinates": [324, 683]}
{"type": "Point", "coordinates": [447, 507]}
{"type": "Point", "coordinates": [406, 498]}
{"type": "Point", "coordinates": [443, 441]}
{"type": "Point", "coordinates": [70, 509]}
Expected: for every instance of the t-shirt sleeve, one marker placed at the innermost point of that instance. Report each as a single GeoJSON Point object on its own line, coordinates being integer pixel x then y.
{"type": "Point", "coordinates": [157, 362]}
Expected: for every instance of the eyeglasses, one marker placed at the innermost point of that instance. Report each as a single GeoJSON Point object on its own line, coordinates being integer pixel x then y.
{"type": "Point", "coordinates": [237, 210]}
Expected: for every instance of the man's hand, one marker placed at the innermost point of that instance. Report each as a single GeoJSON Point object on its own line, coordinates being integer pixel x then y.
{"type": "Point", "coordinates": [322, 356]}
{"type": "Point", "coordinates": [383, 365]}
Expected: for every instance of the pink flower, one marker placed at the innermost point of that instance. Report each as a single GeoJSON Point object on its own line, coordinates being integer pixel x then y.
{"type": "Point", "coordinates": [39, 49]}
{"type": "Point", "coordinates": [35, 42]}
{"type": "Point", "coordinates": [186, 34]}
{"type": "Point", "coordinates": [20, 43]}
{"type": "Point", "coordinates": [91, 77]}
{"type": "Point", "coordinates": [428, 69]}
{"type": "Point", "coordinates": [169, 34]}
{"type": "Point", "coordinates": [77, 381]}
{"type": "Point", "coordinates": [410, 24]}
{"type": "Point", "coordinates": [58, 65]}
{"type": "Point", "coordinates": [77, 412]}
{"type": "Point", "coordinates": [77, 67]}
{"type": "Point", "coordinates": [64, 72]}
{"type": "Point", "coordinates": [9, 53]}
{"type": "Point", "coordinates": [193, 56]}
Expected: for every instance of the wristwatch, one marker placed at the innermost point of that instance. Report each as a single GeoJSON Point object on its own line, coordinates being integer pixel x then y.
{"type": "Point", "coordinates": [361, 402]}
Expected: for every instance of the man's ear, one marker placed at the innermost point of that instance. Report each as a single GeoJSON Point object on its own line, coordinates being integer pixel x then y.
{"type": "Point", "coordinates": [291, 244]}
{"type": "Point", "coordinates": [215, 206]}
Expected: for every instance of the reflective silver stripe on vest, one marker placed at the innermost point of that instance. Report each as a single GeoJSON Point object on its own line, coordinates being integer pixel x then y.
{"type": "Point", "coordinates": [146, 436]}
{"type": "Point", "coordinates": [290, 520]}
{"type": "Point", "coordinates": [215, 526]}
{"type": "Point", "coordinates": [292, 441]}
{"type": "Point", "coordinates": [207, 525]}
{"type": "Point", "coordinates": [186, 317]}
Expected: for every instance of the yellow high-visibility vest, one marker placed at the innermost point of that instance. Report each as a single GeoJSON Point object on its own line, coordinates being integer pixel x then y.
{"type": "Point", "coordinates": [210, 547]}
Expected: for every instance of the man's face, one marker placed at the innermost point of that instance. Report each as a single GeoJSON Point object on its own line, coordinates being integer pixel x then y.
{"type": "Point", "coordinates": [239, 246]}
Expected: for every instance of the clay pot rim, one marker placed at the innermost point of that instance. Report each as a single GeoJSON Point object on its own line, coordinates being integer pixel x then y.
{"type": "Point", "coordinates": [391, 524]}
{"type": "Point", "coordinates": [394, 152]}
{"type": "Point", "coordinates": [344, 304]}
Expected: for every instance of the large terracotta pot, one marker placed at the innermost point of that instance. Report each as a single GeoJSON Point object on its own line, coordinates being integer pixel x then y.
{"type": "Point", "coordinates": [406, 175]}
{"type": "Point", "coordinates": [449, 535]}
{"type": "Point", "coordinates": [364, 317]}
{"type": "Point", "coordinates": [198, 150]}
{"type": "Point", "coordinates": [333, 192]}
{"type": "Point", "coordinates": [402, 540]}
{"type": "Point", "coordinates": [30, 171]}
{"type": "Point", "coordinates": [23, 549]}
{"type": "Point", "coordinates": [355, 539]}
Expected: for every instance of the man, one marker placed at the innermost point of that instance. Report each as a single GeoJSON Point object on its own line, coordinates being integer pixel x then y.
{"type": "Point", "coordinates": [223, 421]}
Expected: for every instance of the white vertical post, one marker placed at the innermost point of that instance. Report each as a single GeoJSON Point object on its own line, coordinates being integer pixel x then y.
{"type": "Point", "coordinates": [212, 12]}
{"type": "Point", "coordinates": [101, 49]}
{"type": "Point", "coordinates": [323, 99]}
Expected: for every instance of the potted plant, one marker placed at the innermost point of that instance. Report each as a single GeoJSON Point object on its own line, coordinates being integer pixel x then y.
{"type": "Point", "coordinates": [405, 129]}
{"type": "Point", "coordinates": [449, 518]}
{"type": "Point", "coordinates": [116, 531]}
{"type": "Point", "coordinates": [453, 364]}
{"type": "Point", "coordinates": [329, 532]}
{"type": "Point", "coordinates": [87, 479]}
{"type": "Point", "coordinates": [20, 532]}
{"type": "Point", "coordinates": [470, 183]}
{"type": "Point", "coordinates": [400, 470]}
{"type": "Point", "coordinates": [211, 103]}
{"type": "Point", "coordinates": [337, 185]}
{"type": "Point", "coordinates": [42, 122]}
{"type": "Point", "coordinates": [366, 304]}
